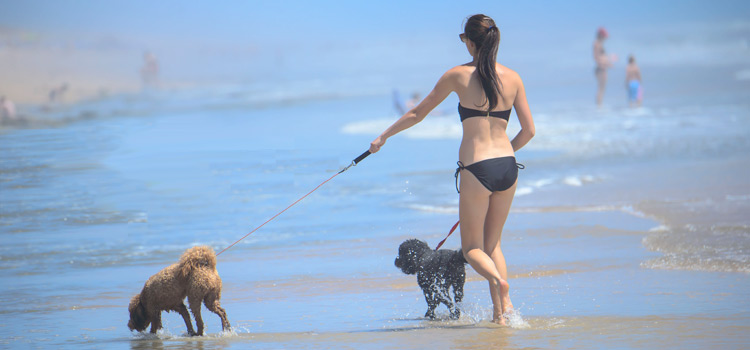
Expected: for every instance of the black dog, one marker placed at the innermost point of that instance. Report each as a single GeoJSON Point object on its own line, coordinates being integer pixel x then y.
{"type": "Point", "coordinates": [436, 271]}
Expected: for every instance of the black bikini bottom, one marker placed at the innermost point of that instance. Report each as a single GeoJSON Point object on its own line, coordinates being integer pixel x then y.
{"type": "Point", "coordinates": [496, 174]}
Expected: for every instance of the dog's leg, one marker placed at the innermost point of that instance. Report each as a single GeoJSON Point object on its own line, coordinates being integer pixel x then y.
{"type": "Point", "coordinates": [458, 289]}
{"type": "Point", "coordinates": [212, 304]}
{"type": "Point", "coordinates": [432, 302]}
{"type": "Point", "coordinates": [182, 309]}
{"type": "Point", "coordinates": [156, 322]}
{"type": "Point", "coordinates": [445, 298]}
{"type": "Point", "coordinates": [195, 307]}
{"type": "Point", "coordinates": [458, 294]}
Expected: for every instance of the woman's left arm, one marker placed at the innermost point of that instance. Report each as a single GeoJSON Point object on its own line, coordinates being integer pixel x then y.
{"type": "Point", "coordinates": [524, 118]}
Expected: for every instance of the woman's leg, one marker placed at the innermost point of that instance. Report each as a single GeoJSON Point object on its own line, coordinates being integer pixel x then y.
{"type": "Point", "coordinates": [472, 211]}
{"type": "Point", "coordinates": [493, 229]}
{"type": "Point", "coordinates": [601, 79]}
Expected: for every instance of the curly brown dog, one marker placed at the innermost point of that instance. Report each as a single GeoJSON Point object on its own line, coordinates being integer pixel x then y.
{"type": "Point", "coordinates": [194, 277]}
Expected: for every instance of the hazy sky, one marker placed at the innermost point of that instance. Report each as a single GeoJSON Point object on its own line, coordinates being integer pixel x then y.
{"type": "Point", "coordinates": [331, 21]}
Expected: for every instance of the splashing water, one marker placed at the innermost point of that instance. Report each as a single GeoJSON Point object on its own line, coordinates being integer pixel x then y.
{"type": "Point", "coordinates": [515, 320]}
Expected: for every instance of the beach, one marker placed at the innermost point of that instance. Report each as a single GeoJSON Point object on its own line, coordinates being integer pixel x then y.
{"type": "Point", "coordinates": [629, 229]}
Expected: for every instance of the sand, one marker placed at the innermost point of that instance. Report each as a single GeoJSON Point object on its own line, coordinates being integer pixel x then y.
{"type": "Point", "coordinates": [30, 73]}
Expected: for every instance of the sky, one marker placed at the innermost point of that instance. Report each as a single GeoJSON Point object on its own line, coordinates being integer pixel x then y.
{"type": "Point", "coordinates": [332, 21]}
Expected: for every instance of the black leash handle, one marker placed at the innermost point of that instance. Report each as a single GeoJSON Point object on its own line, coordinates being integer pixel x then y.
{"type": "Point", "coordinates": [361, 157]}
{"type": "Point", "coordinates": [356, 161]}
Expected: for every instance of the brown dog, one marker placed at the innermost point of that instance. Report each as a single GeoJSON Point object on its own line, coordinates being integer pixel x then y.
{"type": "Point", "coordinates": [194, 277]}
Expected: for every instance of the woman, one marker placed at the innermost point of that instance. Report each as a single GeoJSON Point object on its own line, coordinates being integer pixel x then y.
{"type": "Point", "coordinates": [487, 91]}
{"type": "Point", "coordinates": [603, 62]}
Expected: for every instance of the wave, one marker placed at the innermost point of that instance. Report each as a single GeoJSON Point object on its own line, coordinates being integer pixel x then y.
{"type": "Point", "coordinates": [578, 180]}
{"type": "Point", "coordinates": [587, 133]}
{"type": "Point", "coordinates": [701, 235]}
{"type": "Point", "coordinates": [154, 102]}
{"type": "Point", "coordinates": [529, 187]}
{"type": "Point", "coordinates": [441, 209]}
{"type": "Point", "coordinates": [525, 190]}
{"type": "Point", "coordinates": [438, 127]}
{"type": "Point", "coordinates": [693, 247]}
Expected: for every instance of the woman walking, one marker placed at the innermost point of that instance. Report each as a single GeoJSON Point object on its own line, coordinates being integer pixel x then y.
{"type": "Point", "coordinates": [487, 92]}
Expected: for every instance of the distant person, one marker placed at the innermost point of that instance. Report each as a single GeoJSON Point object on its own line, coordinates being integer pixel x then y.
{"type": "Point", "coordinates": [414, 101]}
{"type": "Point", "coordinates": [56, 94]}
{"type": "Point", "coordinates": [403, 107]}
{"type": "Point", "coordinates": [398, 103]}
{"type": "Point", "coordinates": [603, 62]}
{"type": "Point", "coordinates": [150, 70]}
{"type": "Point", "coordinates": [633, 83]}
{"type": "Point", "coordinates": [487, 92]}
{"type": "Point", "coordinates": [7, 109]}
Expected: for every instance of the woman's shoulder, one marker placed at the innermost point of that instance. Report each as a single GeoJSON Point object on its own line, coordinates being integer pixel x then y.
{"type": "Point", "coordinates": [459, 73]}
{"type": "Point", "coordinates": [466, 68]}
{"type": "Point", "coordinates": [506, 72]}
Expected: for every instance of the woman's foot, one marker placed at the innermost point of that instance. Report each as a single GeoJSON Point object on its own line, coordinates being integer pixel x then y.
{"type": "Point", "coordinates": [497, 316]}
{"type": "Point", "coordinates": [499, 311]}
{"type": "Point", "coordinates": [504, 292]}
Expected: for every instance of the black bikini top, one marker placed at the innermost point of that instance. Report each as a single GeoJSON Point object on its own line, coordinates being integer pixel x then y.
{"type": "Point", "coordinates": [469, 113]}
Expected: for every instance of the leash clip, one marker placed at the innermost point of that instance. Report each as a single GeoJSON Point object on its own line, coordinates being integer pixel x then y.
{"type": "Point", "coordinates": [347, 167]}
{"type": "Point", "coordinates": [356, 161]}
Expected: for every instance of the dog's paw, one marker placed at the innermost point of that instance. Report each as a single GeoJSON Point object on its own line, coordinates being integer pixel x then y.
{"type": "Point", "coordinates": [455, 315]}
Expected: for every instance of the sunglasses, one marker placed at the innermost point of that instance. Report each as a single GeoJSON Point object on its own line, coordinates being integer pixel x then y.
{"type": "Point", "coordinates": [462, 36]}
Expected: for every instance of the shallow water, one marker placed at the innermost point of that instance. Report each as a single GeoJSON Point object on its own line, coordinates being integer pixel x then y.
{"type": "Point", "coordinates": [92, 208]}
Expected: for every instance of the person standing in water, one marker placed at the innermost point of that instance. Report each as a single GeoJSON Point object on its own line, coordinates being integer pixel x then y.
{"type": "Point", "coordinates": [150, 71]}
{"type": "Point", "coordinates": [7, 109]}
{"type": "Point", "coordinates": [603, 62]}
{"type": "Point", "coordinates": [487, 91]}
{"type": "Point", "coordinates": [633, 83]}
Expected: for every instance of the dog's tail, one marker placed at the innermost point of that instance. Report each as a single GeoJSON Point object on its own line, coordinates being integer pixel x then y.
{"type": "Point", "coordinates": [196, 257]}
{"type": "Point", "coordinates": [459, 258]}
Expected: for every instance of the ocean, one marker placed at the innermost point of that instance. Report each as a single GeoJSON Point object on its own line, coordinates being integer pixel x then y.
{"type": "Point", "coordinates": [629, 229]}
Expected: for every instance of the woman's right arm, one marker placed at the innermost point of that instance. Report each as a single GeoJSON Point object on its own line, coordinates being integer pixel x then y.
{"type": "Point", "coordinates": [442, 89]}
{"type": "Point", "coordinates": [524, 118]}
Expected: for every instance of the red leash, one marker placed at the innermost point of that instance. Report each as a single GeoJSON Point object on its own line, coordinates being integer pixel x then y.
{"type": "Point", "coordinates": [449, 234]}
{"type": "Point", "coordinates": [354, 162]}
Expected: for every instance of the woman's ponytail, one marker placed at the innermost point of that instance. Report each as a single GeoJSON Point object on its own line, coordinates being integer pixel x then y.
{"type": "Point", "coordinates": [482, 30]}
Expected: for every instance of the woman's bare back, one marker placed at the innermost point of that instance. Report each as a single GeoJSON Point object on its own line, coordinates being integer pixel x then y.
{"type": "Point", "coordinates": [484, 137]}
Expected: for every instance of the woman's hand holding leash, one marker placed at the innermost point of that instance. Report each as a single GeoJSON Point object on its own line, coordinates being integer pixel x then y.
{"type": "Point", "coordinates": [375, 145]}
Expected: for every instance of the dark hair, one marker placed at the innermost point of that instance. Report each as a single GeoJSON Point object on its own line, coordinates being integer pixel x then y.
{"type": "Point", "coordinates": [483, 32]}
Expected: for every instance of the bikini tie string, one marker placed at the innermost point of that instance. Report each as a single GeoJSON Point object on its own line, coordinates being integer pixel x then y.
{"type": "Point", "coordinates": [458, 170]}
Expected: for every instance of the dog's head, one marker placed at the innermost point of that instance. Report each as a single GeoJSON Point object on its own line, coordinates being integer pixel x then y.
{"type": "Point", "coordinates": [196, 258]}
{"type": "Point", "coordinates": [138, 318]}
{"type": "Point", "coordinates": [409, 254]}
